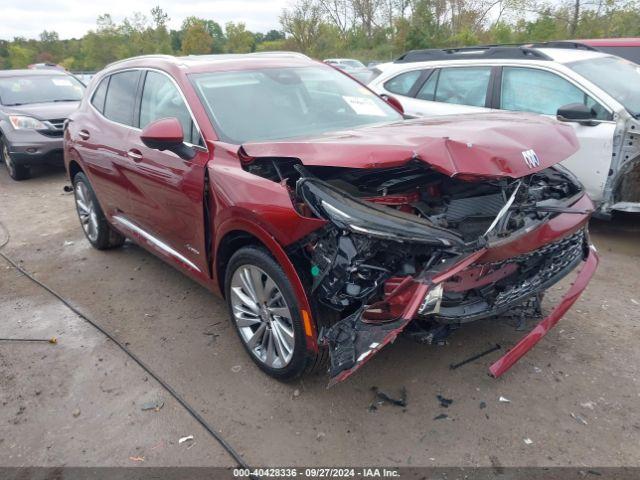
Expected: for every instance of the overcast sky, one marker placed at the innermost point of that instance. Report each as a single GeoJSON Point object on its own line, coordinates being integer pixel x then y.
{"type": "Point", "coordinates": [73, 18]}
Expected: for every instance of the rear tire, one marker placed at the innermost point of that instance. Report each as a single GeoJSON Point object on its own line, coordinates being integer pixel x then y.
{"type": "Point", "coordinates": [16, 171]}
{"type": "Point", "coordinates": [94, 224]}
{"type": "Point", "coordinates": [265, 313]}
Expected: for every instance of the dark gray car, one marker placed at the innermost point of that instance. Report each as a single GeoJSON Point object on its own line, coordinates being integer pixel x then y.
{"type": "Point", "coordinates": [33, 107]}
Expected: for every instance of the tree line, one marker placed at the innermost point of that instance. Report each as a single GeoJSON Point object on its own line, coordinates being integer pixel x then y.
{"type": "Point", "coordinates": [364, 29]}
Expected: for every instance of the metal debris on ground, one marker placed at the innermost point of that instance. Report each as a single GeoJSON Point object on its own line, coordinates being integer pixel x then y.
{"type": "Point", "coordinates": [382, 397]}
{"type": "Point", "coordinates": [444, 402]}
{"type": "Point", "coordinates": [442, 416]}
{"type": "Point", "coordinates": [52, 340]}
{"type": "Point", "coordinates": [483, 405]}
{"type": "Point", "coordinates": [504, 400]}
{"type": "Point", "coordinates": [188, 438]}
{"type": "Point", "coordinates": [578, 419]}
{"type": "Point", "coordinates": [527, 441]}
{"type": "Point", "coordinates": [453, 366]}
{"type": "Point", "coordinates": [153, 405]}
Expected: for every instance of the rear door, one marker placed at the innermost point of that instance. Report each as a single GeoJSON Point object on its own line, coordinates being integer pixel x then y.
{"type": "Point", "coordinates": [166, 191]}
{"type": "Point", "coordinates": [102, 136]}
{"type": "Point", "coordinates": [452, 90]}
{"type": "Point", "coordinates": [529, 89]}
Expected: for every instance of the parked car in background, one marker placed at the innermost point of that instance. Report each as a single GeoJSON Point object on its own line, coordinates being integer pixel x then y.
{"type": "Point", "coordinates": [327, 221]}
{"type": "Point", "coordinates": [355, 68]}
{"type": "Point", "coordinates": [46, 66]}
{"type": "Point", "coordinates": [596, 93]}
{"type": "Point", "coordinates": [34, 105]}
{"type": "Point", "coordinates": [627, 48]}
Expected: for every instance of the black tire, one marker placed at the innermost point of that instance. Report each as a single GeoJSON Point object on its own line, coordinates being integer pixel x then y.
{"type": "Point", "coordinates": [16, 171]}
{"type": "Point", "coordinates": [105, 237]}
{"type": "Point", "coordinates": [303, 360]}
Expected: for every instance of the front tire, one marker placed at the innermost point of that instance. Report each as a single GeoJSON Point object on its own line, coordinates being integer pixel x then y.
{"type": "Point", "coordinates": [266, 314]}
{"type": "Point", "coordinates": [94, 224]}
{"type": "Point", "coordinates": [16, 171]}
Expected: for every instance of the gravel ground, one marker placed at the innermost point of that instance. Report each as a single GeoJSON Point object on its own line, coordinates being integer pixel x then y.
{"type": "Point", "coordinates": [576, 396]}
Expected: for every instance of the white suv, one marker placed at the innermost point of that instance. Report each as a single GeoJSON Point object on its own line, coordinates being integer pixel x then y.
{"type": "Point", "coordinates": [598, 93]}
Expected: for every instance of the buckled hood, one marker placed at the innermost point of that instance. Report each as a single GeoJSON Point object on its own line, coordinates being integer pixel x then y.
{"type": "Point", "coordinates": [486, 145]}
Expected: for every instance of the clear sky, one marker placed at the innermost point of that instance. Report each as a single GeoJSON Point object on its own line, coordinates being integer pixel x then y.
{"type": "Point", "coordinates": [73, 18]}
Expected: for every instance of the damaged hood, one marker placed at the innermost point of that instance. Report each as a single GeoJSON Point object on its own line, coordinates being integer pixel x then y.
{"type": "Point", "coordinates": [488, 145]}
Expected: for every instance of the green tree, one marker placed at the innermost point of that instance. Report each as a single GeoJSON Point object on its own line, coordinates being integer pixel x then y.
{"type": "Point", "coordinates": [197, 40]}
{"type": "Point", "coordinates": [20, 56]}
{"type": "Point", "coordinates": [239, 39]}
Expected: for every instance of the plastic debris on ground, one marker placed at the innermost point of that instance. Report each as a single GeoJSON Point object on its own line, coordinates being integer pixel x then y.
{"type": "Point", "coordinates": [444, 402]}
{"type": "Point", "coordinates": [504, 400]}
{"type": "Point", "coordinates": [153, 405]}
{"type": "Point", "coordinates": [578, 419]}
{"type": "Point", "coordinates": [136, 459]}
{"type": "Point", "coordinates": [527, 441]}
{"type": "Point", "coordinates": [188, 438]}
{"type": "Point", "coordinates": [483, 405]}
{"type": "Point", "coordinates": [383, 397]}
{"type": "Point", "coordinates": [442, 416]}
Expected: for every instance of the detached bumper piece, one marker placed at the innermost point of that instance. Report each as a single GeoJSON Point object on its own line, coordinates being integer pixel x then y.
{"type": "Point", "coordinates": [529, 341]}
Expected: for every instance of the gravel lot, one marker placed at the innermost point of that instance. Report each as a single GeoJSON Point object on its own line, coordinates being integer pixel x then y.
{"type": "Point", "coordinates": [576, 396]}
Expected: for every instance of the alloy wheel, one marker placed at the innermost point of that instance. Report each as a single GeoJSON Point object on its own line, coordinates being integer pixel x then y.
{"type": "Point", "coordinates": [262, 316]}
{"type": "Point", "coordinates": [8, 161]}
{"type": "Point", "coordinates": [86, 211]}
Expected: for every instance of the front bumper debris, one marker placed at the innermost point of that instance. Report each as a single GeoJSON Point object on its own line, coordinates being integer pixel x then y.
{"type": "Point", "coordinates": [530, 340]}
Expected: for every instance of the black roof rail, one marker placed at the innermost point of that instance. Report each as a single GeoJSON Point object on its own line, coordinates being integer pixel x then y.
{"type": "Point", "coordinates": [563, 44]}
{"type": "Point", "coordinates": [479, 52]}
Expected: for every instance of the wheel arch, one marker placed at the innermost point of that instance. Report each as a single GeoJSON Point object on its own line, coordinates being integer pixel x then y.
{"type": "Point", "coordinates": [74, 168]}
{"type": "Point", "coordinates": [242, 234]}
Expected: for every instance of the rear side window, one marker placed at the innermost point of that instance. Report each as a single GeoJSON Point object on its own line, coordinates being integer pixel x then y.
{"type": "Point", "coordinates": [402, 84]}
{"type": "Point", "coordinates": [463, 86]}
{"type": "Point", "coordinates": [428, 90]}
{"type": "Point", "coordinates": [121, 95]}
{"type": "Point", "coordinates": [100, 94]}
{"type": "Point", "coordinates": [161, 99]}
{"type": "Point", "coordinates": [539, 91]}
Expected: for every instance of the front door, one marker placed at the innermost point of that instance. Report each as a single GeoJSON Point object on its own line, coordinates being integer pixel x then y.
{"type": "Point", "coordinates": [166, 191]}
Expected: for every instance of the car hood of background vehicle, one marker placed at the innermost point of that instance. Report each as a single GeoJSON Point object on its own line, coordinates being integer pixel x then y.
{"type": "Point", "coordinates": [487, 145]}
{"type": "Point", "coordinates": [43, 111]}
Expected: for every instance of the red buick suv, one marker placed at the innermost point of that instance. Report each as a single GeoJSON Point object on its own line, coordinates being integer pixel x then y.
{"type": "Point", "coordinates": [328, 221]}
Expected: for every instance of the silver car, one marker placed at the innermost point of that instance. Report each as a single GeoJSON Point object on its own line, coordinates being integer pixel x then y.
{"type": "Point", "coordinates": [34, 105]}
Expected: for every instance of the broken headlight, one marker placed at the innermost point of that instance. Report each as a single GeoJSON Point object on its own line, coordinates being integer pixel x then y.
{"type": "Point", "coordinates": [349, 213]}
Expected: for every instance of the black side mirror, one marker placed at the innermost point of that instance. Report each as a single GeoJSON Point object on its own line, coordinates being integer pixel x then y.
{"type": "Point", "coordinates": [576, 112]}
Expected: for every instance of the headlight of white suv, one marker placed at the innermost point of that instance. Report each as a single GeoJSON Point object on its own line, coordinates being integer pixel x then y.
{"type": "Point", "coordinates": [22, 122]}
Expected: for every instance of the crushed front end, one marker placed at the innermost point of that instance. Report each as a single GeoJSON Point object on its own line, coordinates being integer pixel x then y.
{"type": "Point", "coordinates": [411, 248]}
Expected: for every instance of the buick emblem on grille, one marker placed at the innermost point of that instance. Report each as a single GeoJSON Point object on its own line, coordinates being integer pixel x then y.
{"type": "Point", "coordinates": [531, 158]}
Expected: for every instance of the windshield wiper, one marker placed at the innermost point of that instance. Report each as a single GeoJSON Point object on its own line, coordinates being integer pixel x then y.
{"type": "Point", "coordinates": [12, 104]}
{"type": "Point", "coordinates": [67, 100]}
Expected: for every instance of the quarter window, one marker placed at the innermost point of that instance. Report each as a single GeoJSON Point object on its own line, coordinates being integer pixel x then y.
{"type": "Point", "coordinates": [121, 96]}
{"type": "Point", "coordinates": [539, 91]}
{"type": "Point", "coordinates": [402, 84]}
{"type": "Point", "coordinates": [462, 86]}
{"type": "Point", "coordinates": [100, 94]}
{"type": "Point", "coordinates": [161, 99]}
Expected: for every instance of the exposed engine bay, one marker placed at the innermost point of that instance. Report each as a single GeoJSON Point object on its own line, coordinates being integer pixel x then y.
{"type": "Point", "coordinates": [391, 232]}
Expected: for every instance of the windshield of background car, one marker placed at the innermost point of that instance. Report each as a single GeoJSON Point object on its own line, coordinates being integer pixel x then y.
{"type": "Point", "coordinates": [278, 103]}
{"type": "Point", "coordinates": [22, 90]}
{"type": "Point", "coordinates": [619, 78]}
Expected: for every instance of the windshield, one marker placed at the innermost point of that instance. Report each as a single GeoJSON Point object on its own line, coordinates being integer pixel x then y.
{"type": "Point", "coordinates": [278, 103]}
{"type": "Point", "coordinates": [619, 78]}
{"type": "Point", "coordinates": [22, 90]}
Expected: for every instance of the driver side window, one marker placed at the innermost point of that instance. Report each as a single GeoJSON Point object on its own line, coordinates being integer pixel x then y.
{"type": "Point", "coordinates": [161, 99]}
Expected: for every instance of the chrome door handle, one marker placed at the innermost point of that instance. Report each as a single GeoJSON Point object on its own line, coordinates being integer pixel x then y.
{"type": "Point", "coordinates": [84, 135]}
{"type": "Point", "coordinates": [134, 155]}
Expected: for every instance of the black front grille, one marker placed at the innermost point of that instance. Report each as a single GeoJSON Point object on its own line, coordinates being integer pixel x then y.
{"type": "Point", "coordinates": [55, 127]}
